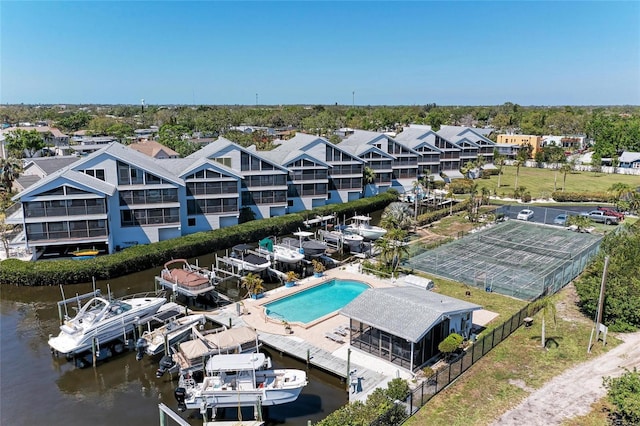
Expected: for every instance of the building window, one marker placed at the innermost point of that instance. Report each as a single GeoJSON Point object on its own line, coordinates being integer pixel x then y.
{"type": "Point", "coordinates": [191, 221]}
{"type": "Point", "coordinates": [225, 161]}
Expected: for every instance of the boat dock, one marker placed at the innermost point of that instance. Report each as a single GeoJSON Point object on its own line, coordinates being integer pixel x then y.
{"type": "Point", "coordinates": [304, 351]}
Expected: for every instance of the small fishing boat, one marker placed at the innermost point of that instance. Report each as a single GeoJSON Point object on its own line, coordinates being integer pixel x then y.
{"type": "Point", "coordinates": [278, 252]}
{"type": "Point", "coordinates": [239, 380]}
{"type": "Point", "coordinates": [176, 330]}
{"type": "Point", "coordinates": [102, 320]}
{"type": "Point", "coordinates": [245, 259]}
{"type": "Point", "coordinates": [360, 225]}
{"type": "Point", "coordinates": [310, 247]}
{"type": "Point", "coordinates": [187, 276]}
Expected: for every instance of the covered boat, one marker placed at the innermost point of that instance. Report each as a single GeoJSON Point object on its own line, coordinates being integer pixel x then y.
{"type": "Point", "coordinates": [237, 381]}
{"type": "Point", "coordinates": [245, 259]}
{"type": "Point", "coordinates": [310, 247]}
{"type": "Point", "coordinates": [279, 252]}
{"type": "Point", "coordinates": [187, 276]}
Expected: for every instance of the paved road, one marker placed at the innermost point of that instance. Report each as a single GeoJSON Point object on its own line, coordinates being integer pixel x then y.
{"type": "Point", "coordinates": [572, 393]}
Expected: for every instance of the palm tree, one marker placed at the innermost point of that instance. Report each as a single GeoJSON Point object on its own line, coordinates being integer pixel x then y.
{"type": "Point", "coordinates": [253, 283]}
{"type": "Point", "coordinates": [397, 215]}
{"type": "Point", "coordinates": [546, 305]}
{"type": "Point", "coordinates": [399, 249]}
{"type": "Point", "coordinates": [566, 168]}
{"type": "Point", "coordinates": [499, 160]}
{"type": "Point", "coordinates": [517, 164]}
{"type": "Point", "coordinates": [581, 222]}
{"type": "Point", "coordinates": [480, 163]}
{"type": "Point", "coordinates": [368, 178]}
{"type": "Point", "coordinates": [385, 248]}
{"type": "Point", "coordinates": [10, 169]}
{"type": "Point", "coordinates": [557, 156]}
{"type": "Point", "coordinates": [622, 192]}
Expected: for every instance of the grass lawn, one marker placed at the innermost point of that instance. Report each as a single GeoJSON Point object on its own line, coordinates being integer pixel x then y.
{"type": "Point", "coordinates": [599, 415]}
{"type": "Point", "coordinates": [540, 181]}
{"type": "Point", "coordinates": [505, 306]}
{"type": "Point", "coordinates": [501, 379]}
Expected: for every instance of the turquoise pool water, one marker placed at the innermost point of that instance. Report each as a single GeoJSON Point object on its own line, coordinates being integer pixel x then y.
{"type": "Point", "coordinates": [316, 302]}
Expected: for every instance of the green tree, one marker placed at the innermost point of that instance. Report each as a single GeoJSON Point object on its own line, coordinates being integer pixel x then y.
{"type": "Point", "coordinates": [368, 178]}
{"type": "Point", "coordinates": [24, 143]}
{"type": "Point", "coordinates": [557, 157]}
{"type": "Point", "coordinates": [10, 169]}
{"type": "Point", "coordinates": [622, 193]}
{"type": "Point", "coordinates": [579, 221]}
{"type": "Point", "coordinates": [547, 306]}
{"type": "Point", "coordinates": [596, 163]}
{"type": "Point", "coordinates": [621, 310]}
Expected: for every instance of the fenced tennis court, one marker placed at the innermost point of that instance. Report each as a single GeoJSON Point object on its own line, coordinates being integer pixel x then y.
{"type": "Point", "coordinates": [515, 258]}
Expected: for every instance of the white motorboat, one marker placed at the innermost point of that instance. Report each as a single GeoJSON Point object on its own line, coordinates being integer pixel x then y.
{"type": "Point", "coordinates": [310, 247]}
{"type": "Point", "coordinates": [278, 252]}
{"type": "Point", "coordinates": [239, 380]}
{"type": "Point", "coordinates": [245, 259]}
{"type": "Point", "coordinates": [339, 236]}
{"type": "Point", "coordinates": [176, 330]}
{"type": "Point", "coordinates": [103, 320]}
{"type": "Point", "coordinates": [360, 225]}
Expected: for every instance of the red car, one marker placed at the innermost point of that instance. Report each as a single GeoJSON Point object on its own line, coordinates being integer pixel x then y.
{"type": "Point", "coordinates": [612, 212]}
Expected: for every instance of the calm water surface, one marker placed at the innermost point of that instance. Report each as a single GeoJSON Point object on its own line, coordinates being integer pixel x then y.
{"type": "Point", "coordinates": [37, 388]}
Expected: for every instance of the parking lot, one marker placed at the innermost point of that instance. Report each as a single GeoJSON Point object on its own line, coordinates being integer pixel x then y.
{"type": "Point", "coordinates": [544, 215]}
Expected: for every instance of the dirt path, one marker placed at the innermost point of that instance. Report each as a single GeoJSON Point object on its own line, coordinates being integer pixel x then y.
{"type": "Point", "coordinates": [572, 393]}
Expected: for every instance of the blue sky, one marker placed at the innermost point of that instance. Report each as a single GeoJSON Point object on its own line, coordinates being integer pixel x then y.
{"type": "Point", "coordinates": [320, 52]}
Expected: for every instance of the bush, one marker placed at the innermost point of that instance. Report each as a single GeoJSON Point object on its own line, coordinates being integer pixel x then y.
{"type": "Point", "coordinates": [624, 393]}
{"type": "Point", "coordinates": [435, 215]}
{"type": "Point", "coordinates": [397, 389]}
{"type": "Point", "coordinates": [461, 186]}
{"type": "Point", "coordinates": [450, 344]}
{"type": "Point", "coordinates": [581, 196]}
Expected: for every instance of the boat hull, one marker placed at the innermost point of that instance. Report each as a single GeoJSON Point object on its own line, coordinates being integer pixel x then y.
{"type": "Point", "coordinates": [74, 339]}
{"type": "Point", "coordinates": [231, 399]}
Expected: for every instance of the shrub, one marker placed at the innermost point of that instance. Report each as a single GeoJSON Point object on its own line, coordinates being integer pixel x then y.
{"type": "Point", "coordinates": [397, 389]}
{"type": "Point", "coordinates": [624, 393]}
{"type": "Point", "coordinates": [581, 196]}
{"type": "Point", "coordinates": [450, 344]}
{"type": "Point", "coordinates": [461, 186]}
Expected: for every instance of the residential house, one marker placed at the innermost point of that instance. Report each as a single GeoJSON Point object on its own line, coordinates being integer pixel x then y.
{"type": "Point", "coordinates": [53, 137]}
{"type": "Point", "coordinates": [629, 160]}
{"type": "Point", "coordinates": [154, 149]}
{"type": "Point", "coordinates": [405, 325]}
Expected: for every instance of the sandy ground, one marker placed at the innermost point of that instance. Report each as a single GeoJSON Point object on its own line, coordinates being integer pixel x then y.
{"type": "Point", "coordinates": [572, 393]}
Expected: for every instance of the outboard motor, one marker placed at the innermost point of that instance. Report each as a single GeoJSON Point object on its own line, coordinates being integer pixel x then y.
{"type": "Point", "coordinates": [141, 346]}
{"type": "Point", "coordinates": [181, 394]}
{"type": "Point", "coordinates": [166, 363]}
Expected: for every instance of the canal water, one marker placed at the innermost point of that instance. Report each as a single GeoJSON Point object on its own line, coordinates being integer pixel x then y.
{"type": "Point", "coordinates": [38, 388]}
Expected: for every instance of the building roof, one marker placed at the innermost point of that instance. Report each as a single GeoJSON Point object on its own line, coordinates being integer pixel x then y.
{"type": "Point", "coordinates": [211, 149]}
{"type": "Point", "coordinates": [629, 157]}
{"type": "Point", "coordinates": [26, 181]}
{"type": "Point", "coordinates": [41, 129]}
{"type": "Point", "coordinates": [406, 312]}
{"type": "Point", "coordinates": [300, 142]}
{"type": "Point", "coordinates": [52, 164]}
{"type": "Point", "coordinates": [153, 148]}
{"type": "Point", "coordinates": [362, 137]}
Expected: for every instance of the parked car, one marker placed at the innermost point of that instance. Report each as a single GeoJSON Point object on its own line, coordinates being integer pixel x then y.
{"type": "Point", "coordinates": [602, 217]}
{"type": "Point", "coordinates": [610, 211]}
{"type": "Point", "coordinates": [561, 219]}
{"type": "Point", "coordinates": [525, 214]}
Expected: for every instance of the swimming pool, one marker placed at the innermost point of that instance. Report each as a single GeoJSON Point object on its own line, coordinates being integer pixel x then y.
{"type": "Point", "coordinates": [309, 305]}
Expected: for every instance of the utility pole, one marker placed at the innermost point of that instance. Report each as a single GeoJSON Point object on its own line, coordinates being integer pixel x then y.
{"type": "Point", "coordinates": [598, 320]}
{"type": "Point", "coordinates": [353, 98]}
